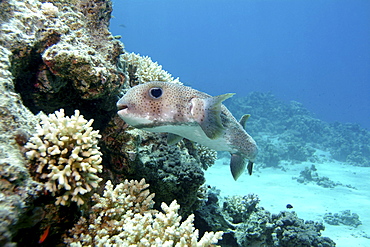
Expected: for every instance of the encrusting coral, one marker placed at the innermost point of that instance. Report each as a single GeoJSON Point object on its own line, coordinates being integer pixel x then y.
{"type": "Point", "coordinates": [123, 216]}
{"type": "Point", "coordinates": [64, 154]}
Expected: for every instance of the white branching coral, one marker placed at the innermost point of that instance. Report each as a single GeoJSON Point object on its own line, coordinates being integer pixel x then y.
{"type": "Point", "coordinates": [64, 154]}
{"type": "Point", "coordinates": [123, 216]}
{"type": "Point", "coordinates": [146, 70]}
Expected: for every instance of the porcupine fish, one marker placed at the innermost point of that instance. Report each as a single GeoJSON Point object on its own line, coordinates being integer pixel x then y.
{"type": "Point", "coordinates": [184, 112]}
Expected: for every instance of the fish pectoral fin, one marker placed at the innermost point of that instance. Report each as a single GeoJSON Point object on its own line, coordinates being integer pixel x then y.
{"type": "Point", "coordinates": [210, 119]}
{"type": "Point", "coordinates": [237, 165]}
{"type": "Point", "coordinates": [243, 120]}
{"type": "Point", "coordinates": [172, 139]}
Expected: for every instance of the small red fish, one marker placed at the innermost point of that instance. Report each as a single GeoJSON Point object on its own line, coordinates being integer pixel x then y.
{"type": "Point", "coordinates": [44, 235]}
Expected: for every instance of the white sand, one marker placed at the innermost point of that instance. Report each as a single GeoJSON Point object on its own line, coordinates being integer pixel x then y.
{"type": "Point", "coordinates": [276, 189]}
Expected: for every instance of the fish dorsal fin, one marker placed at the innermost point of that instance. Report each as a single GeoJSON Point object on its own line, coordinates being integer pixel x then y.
{"type": "Point", "coordinates": [172, 139]}
{"type": "Point", "coordinates": [243, 120]}
{"type": "Point", "coordinates": [207, 112]}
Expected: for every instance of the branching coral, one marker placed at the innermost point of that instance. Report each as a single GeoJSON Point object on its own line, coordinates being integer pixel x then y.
{"type": "Point", "coordinates": [143, 69]}
{"type": "Point", "coordinates": [123, 217]}
{"type": "Point", "coordinates": [64, 154]}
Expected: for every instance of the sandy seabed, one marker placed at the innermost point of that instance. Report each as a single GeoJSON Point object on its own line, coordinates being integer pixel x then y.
{"type": "Point", "coordinates": [276, 189]}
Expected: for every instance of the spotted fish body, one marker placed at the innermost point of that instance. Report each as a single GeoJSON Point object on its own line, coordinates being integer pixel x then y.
{"type": "Point", "coordinates": [185, 112]}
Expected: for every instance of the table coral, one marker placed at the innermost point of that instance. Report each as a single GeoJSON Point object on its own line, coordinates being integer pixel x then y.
{"type": "Point", "coordinates": [123, 216]}
{"type": "Point", "coordinates": [64, 153]}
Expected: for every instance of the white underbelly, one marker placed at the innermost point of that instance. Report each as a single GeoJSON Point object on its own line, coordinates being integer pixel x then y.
{"type": "Point", "coordinates": [196, 134]}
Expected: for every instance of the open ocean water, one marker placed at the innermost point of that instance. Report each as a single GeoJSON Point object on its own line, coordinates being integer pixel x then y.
{"type": "Point", "coordinates": [313, 52]}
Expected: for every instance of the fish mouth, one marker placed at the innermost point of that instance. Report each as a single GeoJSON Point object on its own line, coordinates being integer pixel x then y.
{"type": "Point", "coordinates": [121, 106]}
{"type": "Point", "coordinates": [122, 109]}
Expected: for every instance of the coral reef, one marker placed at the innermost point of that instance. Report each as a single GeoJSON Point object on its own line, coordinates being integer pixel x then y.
{"type": "Point", "coordinates": [174, 172]}
{"type": "Point", "coordinates": [124, 216]}
{"type": "Point", "coordinates": [291, 132]}
{"type": "Point", "coordinates": [255, 226]}
{"type": "Point", "coordinates": [344, 217]}
{"type": "Point", "coordinates": [311, 175]}
{"type": "Point", "coordinates": [65, 156]}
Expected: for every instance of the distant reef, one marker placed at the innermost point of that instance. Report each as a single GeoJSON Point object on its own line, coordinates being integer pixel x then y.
{"type": "Point", "coordinates": [288, 131]}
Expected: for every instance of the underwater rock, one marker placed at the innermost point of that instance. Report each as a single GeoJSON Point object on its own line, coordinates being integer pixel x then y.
{"type": "Point", "coordinates": [344, 217]}
{"type": "Point", "coordinates": [62, 55]}
{"type": "Point", "coordinates": [17, 189]}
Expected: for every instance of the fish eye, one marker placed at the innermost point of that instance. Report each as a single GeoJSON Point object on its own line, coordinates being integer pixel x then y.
{"type": "Point", "coordinates": [155, 92]}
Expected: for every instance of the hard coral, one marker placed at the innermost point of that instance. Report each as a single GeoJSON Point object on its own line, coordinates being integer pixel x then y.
{"type": "Point", "coordinates": [254, 226]}
{"type": "Point", "coordinates": [123, 217]}
{"type": "Point", "coordinates": [64, 154]}
{"type": "Point", "coordinates": [142, 69]}
{"type": "Point", "coordinates": [174, 172]}
{"type": "Point", "coordinates": [239, 208]}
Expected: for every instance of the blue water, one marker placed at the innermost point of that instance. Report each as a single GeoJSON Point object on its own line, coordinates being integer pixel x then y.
{"type": "Point", "coordinates": [314, 52]}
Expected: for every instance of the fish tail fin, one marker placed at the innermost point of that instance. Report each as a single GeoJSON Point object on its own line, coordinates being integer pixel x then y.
{"type": "Point", "coordinates": [237, 165]}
